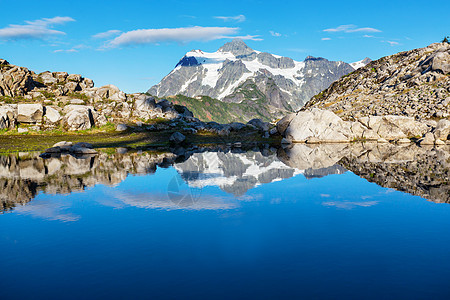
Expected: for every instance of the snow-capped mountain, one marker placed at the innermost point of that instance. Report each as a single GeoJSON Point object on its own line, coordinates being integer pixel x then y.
{"type": "Point", "coordinates": [359, 64]}
{"type": "Point", "coordinates": [236, 73]}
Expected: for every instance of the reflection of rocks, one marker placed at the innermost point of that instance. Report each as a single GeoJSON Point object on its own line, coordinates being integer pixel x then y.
{"type": "Point", "coordinates": [22, 177]}
{"type": "Point", "coordinates": [304, 156]}
{"type": "Point", "coordinates": [422, 171]}
{"type": "Point", "coordinates": [322, 172]}
{"type": "Point", "coordinates": [416, 170]}
{"type": "Point", "coordinates": [235, 173]}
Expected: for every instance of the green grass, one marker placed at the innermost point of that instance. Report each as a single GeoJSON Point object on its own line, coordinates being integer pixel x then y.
{"type": "Point", "coordinates": [12, 143]}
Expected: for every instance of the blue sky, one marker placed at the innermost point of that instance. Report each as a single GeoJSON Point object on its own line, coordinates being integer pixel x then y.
{"type": "Point", "coordinates": [133, 44]}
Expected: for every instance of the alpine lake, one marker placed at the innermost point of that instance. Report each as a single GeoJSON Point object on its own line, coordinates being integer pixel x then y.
{"type": "Point", "coordinates": [327, 221]}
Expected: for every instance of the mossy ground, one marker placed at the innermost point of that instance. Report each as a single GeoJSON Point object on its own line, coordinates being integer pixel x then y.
{"type": "Point", "coordinates": [10, 143]}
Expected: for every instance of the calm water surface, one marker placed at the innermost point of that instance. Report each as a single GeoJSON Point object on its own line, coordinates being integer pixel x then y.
{"type": "Point", "coordinates": [227, 224]}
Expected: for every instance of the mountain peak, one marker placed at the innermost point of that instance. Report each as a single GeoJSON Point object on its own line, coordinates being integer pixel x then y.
{"type": "Point", "coordinates": [237, 47]}
{"type": "Point", "coordinates": [312, 58]}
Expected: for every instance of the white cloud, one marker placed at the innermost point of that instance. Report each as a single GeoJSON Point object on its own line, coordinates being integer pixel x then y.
{"type": "Point", "coordinates": [350, 204]}
{"type": "Point", "coordinates": [326, 39]}
{"type": "Point", "coordinates": [368, 36]}
{"type": "Point", "coordinates": [37, 29]}
{"type": "Point", "coordinates": [181, 35]}
{"type": "Point", "coordinates": [65, 50]}
{"type": "Point", "coordinates": [273, 33]}
{"type": "Point", "coordinates": [244, 37]}
{"type": "Point", "coordinates": [73, 49]}
{"type": "Point", "coordinates": [392, 43]}
{"type": "Point", "coordinates": [239, 18]}
{"type": "Point", "coordinates": [107, 34]}
{"type": "Point", "coordinates": [351, 28]}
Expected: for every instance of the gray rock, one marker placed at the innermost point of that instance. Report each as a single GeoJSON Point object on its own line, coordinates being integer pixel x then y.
{"type": "Point", "coordinates": [30, 113]}
{"type": "Point", "coordinates": [84, 145]}
{"type": "Point", "coordinates": [283, 124]}
{"type": "Point", "coordinates": [75, 78]}
{"type": "Point", "coordinates": [260, 125]}
{"type": "Point", "coordinates": [121, 127]}
{"type": "Point", "coordinates": [76, 101]}
{"type": "Point", "coordinates": [53, 150]}
{"type": "Point", "coordinates": [428, 139]}
{"type": "Point", "coordinates": [121, 150]}
{"type": "Point", "coordinates": [321, 124]}
{"type": "Point", "coordinates": [72, 86]}
{"type": "Point", "coordinates": [177, 138]}
{"type": "Point", "coordinates": [236, 126]}
{"type": "Point", "coordinates": [78, 117]}
{"type": "Point", "coordinates": [273, 131]}
{"type": "Point", "coordinates": [63, 144]}
{"type": "Point", "coordinates": [82, 150]}
{"type": "Point", "coordinates": [52, 115]}
{"type": "Point", "coordinates": [442, 130]}
{"type": "Point", "coordinates": [8, 116]}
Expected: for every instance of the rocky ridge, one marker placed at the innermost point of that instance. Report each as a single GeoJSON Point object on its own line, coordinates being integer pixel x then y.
{"type": "Point", "coordinates": [413, 83]}
{"type": "Point", "coordinates": [401, 98]}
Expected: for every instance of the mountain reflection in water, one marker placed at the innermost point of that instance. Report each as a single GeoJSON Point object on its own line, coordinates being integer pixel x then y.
{"type": "Point", "coordinates": [412, 169]}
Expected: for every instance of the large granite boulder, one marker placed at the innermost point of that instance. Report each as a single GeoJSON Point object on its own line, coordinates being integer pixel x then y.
{"type": "Point", "coordinates": [107, 91]}
{"type": "Point", "coordinates": [78, 117]}
{"type": "Point", "coordinates": [30, 113]}
{"type": "Point", "coordinates": [323, 126]}
{"type": "Point", "coordinates": [320, 124]}
{"type": "Point", "coordinates": [442, 130]}
{"type": "Point", "coordinates": [395, 127]}
{"type": "Point", "coordinates": [8, 116]}
{"type": "Point", "coordinates": [52, 115]}
{"type": "Point", "coordinates": [144, 106]}
{"type": "Point", "coordinates": [14, 80]}
{"type": "Point", "coordinates": [177, 138]}
{"type": "Point", "coordinates": [283, 124]}
{"type": "Point", "coordinates": [260, 125]}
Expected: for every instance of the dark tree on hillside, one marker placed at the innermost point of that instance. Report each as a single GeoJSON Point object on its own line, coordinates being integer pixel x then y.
{"type": "Point", "coordinates": [446, 40]}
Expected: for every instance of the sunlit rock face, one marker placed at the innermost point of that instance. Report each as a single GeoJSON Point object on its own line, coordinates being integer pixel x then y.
{"type": "Point", "coordinates": [421, 171]}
